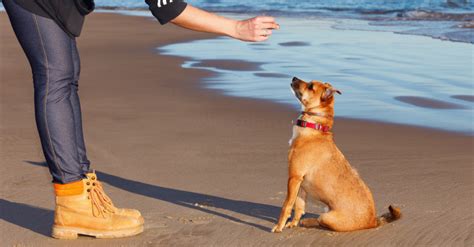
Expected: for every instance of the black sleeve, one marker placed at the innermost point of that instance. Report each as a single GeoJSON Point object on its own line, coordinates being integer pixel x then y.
{"type": "Point", "coordinates": [166, 10]}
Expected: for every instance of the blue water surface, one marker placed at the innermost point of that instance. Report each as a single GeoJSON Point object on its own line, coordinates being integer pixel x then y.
{"type": "Point", "coordinates": [375, 70]}
{"type": "Point", "coordinates": [365, 6]}
{"type": "Point", "coordinates": [443, 19]}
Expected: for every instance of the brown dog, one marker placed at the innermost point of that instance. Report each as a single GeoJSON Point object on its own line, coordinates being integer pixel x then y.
{"type": "Point", "coordinates": [317, 168]}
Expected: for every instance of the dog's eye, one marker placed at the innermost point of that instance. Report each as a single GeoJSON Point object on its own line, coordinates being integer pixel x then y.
{"type": "Point", "coordinates": [310, 87]}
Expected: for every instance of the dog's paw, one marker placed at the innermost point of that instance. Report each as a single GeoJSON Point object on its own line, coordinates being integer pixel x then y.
{"type": "Point", "coordinates": [277, 229]}
{"type": "Point", "coordinates": [291, 224]}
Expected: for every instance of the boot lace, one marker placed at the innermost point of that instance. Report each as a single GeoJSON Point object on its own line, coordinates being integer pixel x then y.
{"type": "Point", "coordinates": [101, 204]}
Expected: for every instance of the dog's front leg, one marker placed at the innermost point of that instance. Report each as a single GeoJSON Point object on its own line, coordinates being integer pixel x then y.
{"type": "Point", "coordinates": [294, 183]}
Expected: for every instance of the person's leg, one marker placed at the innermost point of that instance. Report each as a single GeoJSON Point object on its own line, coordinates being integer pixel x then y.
{"type": "Point", "coordinates": [82, 207]}
{"type": "Point", "coordinates": [81, 149]}
{"type": "Point", "coordinates": [76, 108]}
{"type": "Point", "coordinates": [50, 53]}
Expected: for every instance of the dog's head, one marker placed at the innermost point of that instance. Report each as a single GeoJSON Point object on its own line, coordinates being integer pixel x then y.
{"type": "Point", "coordinates": [313, 94]}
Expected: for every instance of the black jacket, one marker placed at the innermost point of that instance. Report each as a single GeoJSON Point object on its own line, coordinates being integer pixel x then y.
{"type": "Point", "coordinates": [166, 10]}
{"type": "Point", "coordinates": [69, 14]}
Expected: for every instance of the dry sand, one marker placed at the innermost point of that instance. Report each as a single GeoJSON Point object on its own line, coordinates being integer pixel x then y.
{"type": "Point", "coordinates": [206, 169]}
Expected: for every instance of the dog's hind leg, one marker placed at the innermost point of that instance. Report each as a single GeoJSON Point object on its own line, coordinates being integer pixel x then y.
{"type": "Point", "coordinates": [337, 221]}
{"type": "Point", "coordinates": [331, 220]}
{"type": "Point", "coordinates": [299, 209]}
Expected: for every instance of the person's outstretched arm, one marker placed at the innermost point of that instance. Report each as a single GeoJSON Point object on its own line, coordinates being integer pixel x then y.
{"type": "Point", "coordinates": [255, 29]}
{"type": "Point", "coordinates": [184, 15]}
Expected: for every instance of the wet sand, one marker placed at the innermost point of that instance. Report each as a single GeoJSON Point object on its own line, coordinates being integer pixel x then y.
{"type": "Point", "coordinates": [206, 169]}
{"type": "Point", "coordinates": [294, 43]}
{"type": "Point", "coordinates": [272, 75]}
{"type": "Point", "coordinates": [233, 65]}
{"type": "Point", "coordinates": [429, 103]}
{"type": "Point", "coordinates": [468, 98]}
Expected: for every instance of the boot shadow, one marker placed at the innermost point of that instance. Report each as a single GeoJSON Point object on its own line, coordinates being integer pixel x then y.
{"type": "Point", "coordinates": [193, 200]}
{"type": "Point", "coordinates": [36, 219]}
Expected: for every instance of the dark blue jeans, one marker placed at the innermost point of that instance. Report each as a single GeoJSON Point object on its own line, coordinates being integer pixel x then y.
{"type": "Point", "coordinates": [55, 64]}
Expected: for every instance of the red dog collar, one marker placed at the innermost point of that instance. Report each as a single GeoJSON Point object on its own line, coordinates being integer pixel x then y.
{"type": "Point", "coordinates": [316, 126]}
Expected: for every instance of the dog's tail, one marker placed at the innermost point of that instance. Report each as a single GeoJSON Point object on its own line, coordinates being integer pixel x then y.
{"type": "Point", "coordinates": [393, 215]}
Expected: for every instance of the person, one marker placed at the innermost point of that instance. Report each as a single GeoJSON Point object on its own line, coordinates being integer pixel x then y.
{"type": "Point", "coordinates": [47, 31]}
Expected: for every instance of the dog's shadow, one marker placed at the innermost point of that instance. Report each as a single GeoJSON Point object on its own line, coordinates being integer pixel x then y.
{"type": "Point", "coordinates": [196, 201]}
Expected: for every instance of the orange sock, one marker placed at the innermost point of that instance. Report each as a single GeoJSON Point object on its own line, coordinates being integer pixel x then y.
{"type": "Point", "coordinates": [70, 189]}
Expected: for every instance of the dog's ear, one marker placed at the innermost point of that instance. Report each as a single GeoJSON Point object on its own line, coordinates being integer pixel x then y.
{"type": "Point", "coordinates": [329, 92]}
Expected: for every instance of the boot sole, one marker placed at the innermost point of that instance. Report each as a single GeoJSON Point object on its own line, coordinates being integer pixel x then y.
{"type": "Point", "coordinates": [64, 232]}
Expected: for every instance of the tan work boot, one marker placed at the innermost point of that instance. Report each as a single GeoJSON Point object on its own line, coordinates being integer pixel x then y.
{"type": "Point", "coordinates": [83, 209]}
{"type": "Point", "coordinates": [94, 182]}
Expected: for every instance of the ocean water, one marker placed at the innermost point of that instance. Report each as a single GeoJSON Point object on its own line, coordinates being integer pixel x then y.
{"type": "Point", "coordinates": [384, 76]}
{"type": "Point", "coordinates": [443, 19]}
{"type": "Point", "coordinates": [364, 6]}
{"type": "Point", "coordinates": [395, 61]}
{"type": "Point", "coordinates": [357, 45]}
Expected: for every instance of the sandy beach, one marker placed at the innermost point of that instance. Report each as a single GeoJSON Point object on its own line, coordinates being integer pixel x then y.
{"type": "Point", "coordinates": [206, 169]}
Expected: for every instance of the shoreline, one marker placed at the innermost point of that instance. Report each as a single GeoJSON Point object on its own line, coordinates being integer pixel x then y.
{"type": "Point", "coordinates": [463, 24]}
{"type": "Point", "coordinates": [242, 65]}
{"type": "Point", "coordinates": [397, 104]}
{"type": "Point", "coordinates": [205, 168]}
{"type": "Point", "coordinates": [462, 18]}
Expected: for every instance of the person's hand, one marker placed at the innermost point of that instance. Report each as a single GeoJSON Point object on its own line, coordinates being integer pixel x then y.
{"type": "Point", "coordinates": [255, 29]}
